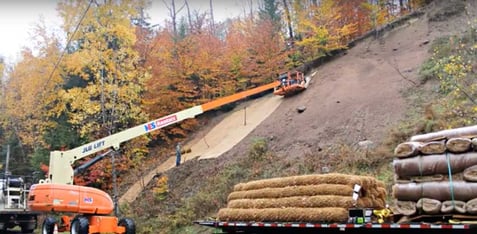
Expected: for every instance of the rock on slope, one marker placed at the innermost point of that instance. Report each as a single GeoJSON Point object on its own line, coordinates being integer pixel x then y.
{"type": "Point", "coordinates": [353, 98]}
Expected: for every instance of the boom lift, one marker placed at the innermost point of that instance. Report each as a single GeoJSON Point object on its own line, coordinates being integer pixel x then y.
{"type": "Point", "coordinates": [58, 194]}
{"type": "Point", "coordinates": [291, 83]}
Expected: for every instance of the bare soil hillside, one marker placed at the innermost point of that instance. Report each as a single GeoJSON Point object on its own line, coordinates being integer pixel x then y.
{"type": "Point", "coordinates": [356, 97]}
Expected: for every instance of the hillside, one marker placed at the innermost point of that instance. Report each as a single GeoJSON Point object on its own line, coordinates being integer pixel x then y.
{"type": "Point", "coordinates": [355, 99]}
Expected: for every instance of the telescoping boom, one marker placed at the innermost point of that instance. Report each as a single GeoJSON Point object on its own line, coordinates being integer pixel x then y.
{"type": "Point", "coordinates": [58, 194]}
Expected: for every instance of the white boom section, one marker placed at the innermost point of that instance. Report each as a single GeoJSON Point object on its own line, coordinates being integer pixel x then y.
{"type": "Point", "coordinates": [61, 170]}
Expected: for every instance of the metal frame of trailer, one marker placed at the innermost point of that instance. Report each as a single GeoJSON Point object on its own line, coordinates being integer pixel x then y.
{"type": "Point", "coordinates": [293, 227]}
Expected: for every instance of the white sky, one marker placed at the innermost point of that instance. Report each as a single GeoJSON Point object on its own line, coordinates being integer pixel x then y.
{"type": "Point", "coordinates": [16, 22]}
{"type": "Point", "coordinates": [17, 18]}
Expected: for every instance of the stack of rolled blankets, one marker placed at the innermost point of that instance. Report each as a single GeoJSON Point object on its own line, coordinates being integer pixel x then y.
{"type": "Point", "coordinates": [306, 198]}
{"type": "Point", "coordinates": [436, 173]}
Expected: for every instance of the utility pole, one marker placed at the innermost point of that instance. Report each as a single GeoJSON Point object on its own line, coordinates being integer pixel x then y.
{"type": "Point", "coordinates": [7, 160]}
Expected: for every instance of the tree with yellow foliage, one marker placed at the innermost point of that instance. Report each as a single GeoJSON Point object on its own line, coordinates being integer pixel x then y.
{"type": "Point", "coordinates": [104, 81]}
{"type": "Point", "coordinates": [30, 88]}
{"type": "Point", "coordinates": [321, 29]}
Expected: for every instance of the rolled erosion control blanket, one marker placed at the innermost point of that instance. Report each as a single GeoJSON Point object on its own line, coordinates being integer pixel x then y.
{"type": "Point", "coordinates": [434, 164]}
{"type": "Point", "coordinates": [458, 145]}
{"type": "Point", "coordinates": [441, 191]}
{"type": "Point", "coordinates": [471, 206]}
{"type": "Point", "coordinates": [429, 206]}
{"type": "Point", "coordinates": [474, 143]}
{"type": "Point", "coordinates": [404, 207]}
{"type": "Point", "coordinates": [466, 132]}
{"type": "Point", "coordinates": [291, 191]}
{"type": "Point", "coordinates": [407, 149]}
{"type": "Point", "coordinates": [449, 207]}
{"type": "Point", "coordinates": [381, 193]}
{"type": "Point", "coordinates": [470, 174]}
{"type": "Point", "coordinates": [332, 178]}
{"type": "Point", "coordinates": [433, 147]}
{"type": "Point", "coordinates": [431, 178]}
{"type": "Point", "coordinates": [306, 202]}
{"type": "Point", "coordinates": [329, 214]}
{"type": "Point", "coordinates": [420, 179]}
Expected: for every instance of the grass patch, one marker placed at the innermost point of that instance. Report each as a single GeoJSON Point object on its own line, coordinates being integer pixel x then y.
{"type": "Point", "coordinates": [431, 111]}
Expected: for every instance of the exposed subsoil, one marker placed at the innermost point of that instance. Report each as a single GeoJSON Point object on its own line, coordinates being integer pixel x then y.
{"type": "Point", "coordinates": [356, 97]}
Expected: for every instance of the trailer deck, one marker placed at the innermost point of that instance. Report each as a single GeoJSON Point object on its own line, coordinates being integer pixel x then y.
{"type": "Point", "coordinates": [296, 227]}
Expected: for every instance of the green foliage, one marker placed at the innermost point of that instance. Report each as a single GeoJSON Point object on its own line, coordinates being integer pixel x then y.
{"type": "Point", "coordinates": [349, 159]}
{"type": "Point", "coordinates": [62, 135]}
{"type": "Point", "coordinates": [453, 64]}
{"type": "Point", "coordinates": [39, 159]}
{"type": "Point", "coordinates": [18, 164]}
{"type": "Point", "coordinates": [271, 12]}
{"type": "Point", "coordinates": [202, 204]}
{"type": "Point", "coordinates": [258, 150]}
{"type": "Point", "coordinates": [160, 190]}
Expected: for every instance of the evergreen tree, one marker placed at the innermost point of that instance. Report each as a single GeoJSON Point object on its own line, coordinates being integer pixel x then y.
{"type": "Point", "coordinates": [270, 11]}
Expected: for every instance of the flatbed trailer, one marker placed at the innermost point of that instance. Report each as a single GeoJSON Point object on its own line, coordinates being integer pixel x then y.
{"type": "Point", "coordinates": [333, 228]}
{"type": "Point", "coordinates": [26, 220]}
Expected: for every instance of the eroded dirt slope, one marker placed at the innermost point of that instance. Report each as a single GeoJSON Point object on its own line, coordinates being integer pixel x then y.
{"type": "Point", "coordinates": [359, 96]}
{"type": "Point", "coordinates": [356, 97]}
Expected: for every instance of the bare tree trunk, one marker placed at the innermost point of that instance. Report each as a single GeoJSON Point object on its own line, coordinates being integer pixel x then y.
{"type": "Point", "coordinates": [212, 20]}
{"type": "Point", "coordinates": [251, 9]}
{"type": "Point", "coordinates": [189, 17]}
{"type": "Point", "coordinates": [173, 14]}
{"type": "Point", "coordinates": [289, 23]}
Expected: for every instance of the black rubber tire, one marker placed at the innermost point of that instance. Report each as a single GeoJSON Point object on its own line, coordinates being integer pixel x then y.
{"type": "Point", "coordinates": [48, 226]}
{"type": "Point", "coordinates": [79, 225]}
{"type": "Point", "coordinates": [128, 224]}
